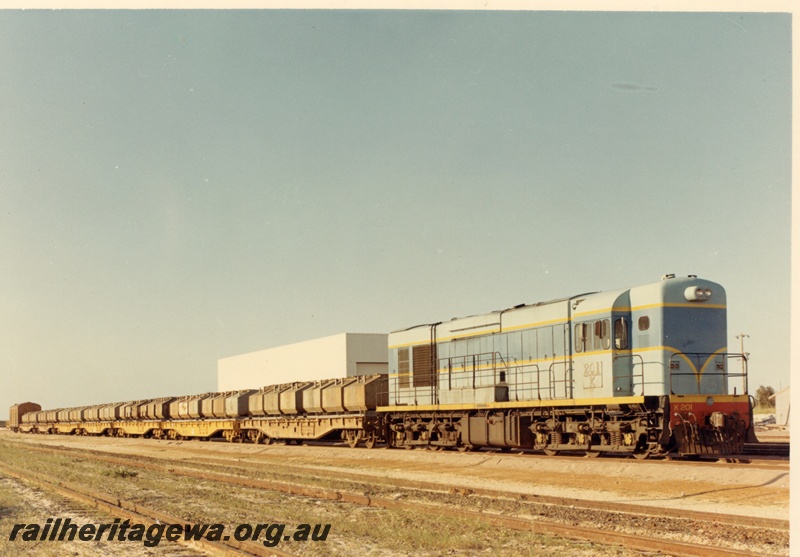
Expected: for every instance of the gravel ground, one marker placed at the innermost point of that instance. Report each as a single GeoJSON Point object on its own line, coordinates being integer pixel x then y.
{"type": "Point", "coordinates": [734, 489]}
{"type": "Point", "coordinates": [720, 487]}
{"type": "Point", "coordinates": [22, 504]}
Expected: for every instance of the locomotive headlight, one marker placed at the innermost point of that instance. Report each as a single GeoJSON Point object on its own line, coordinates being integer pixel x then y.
{"type": "Point", "coordinates": [697, 294]}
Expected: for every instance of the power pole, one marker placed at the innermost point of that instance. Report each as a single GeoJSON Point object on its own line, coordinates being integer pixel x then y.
{"type": "Point", "coordinates": [741, 337]}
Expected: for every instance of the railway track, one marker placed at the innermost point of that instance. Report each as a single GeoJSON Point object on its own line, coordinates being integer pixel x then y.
{"type": "Point", "coordinates": [772, 460]}
{"type": "Point", "coordinates": [777, 452]}
{"type": "Point", "coordinates": [767, 449]}
{"type": "Point", "coordinates": [777, 455]}
{"type": "Point", "coordinates": [631, 541]}
{"type": "Point", "coordinates": [367, 479]}
{"type": "Point", "coordinates": [139, 514]}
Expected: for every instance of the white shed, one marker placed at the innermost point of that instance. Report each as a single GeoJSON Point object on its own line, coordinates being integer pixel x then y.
{"type": "Point", "coordinates": [342, 355]}
{"type": "Point", "coordinates": [782, 405]}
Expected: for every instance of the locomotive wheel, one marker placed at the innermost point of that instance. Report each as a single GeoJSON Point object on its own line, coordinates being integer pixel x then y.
{"type": "Point", "coordinates": [370, 440]}
{"type": "Point", "coordinates": [594, 454]}
{"type": "Point", "coordinates": [641, 456]}
{"type": "Point", "coordinates": [551, 452]}
{"type": "Point", "coordinates": [464, 448]}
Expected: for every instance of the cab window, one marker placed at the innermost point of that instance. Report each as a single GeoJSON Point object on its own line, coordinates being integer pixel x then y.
{"type": "Point", "coordinates": [620, 334]}
{"type": "Point", "coordinates": [605, 335]}
{"type": "Point", "coordinates": [580, 337]}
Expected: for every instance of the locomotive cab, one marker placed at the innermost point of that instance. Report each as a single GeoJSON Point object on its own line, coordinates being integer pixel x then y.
{"type": "Point", "coordinates": [679, 329]}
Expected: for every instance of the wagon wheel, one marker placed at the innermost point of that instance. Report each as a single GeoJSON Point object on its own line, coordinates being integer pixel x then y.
{"type": "Point", "coordinates": [465, 448]}
{"type": "Point", "coordinates": [353, 438]}
{"type": "Point", "coordinates": [642, 455]}
{"type": "Point", "coordinates": [370, 440]}
{"type": "Point", "coordinates": [551, 452]}
{"type": "Point", "coordinates": [594, 454]}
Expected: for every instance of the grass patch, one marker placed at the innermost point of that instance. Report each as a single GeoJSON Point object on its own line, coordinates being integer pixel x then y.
{"type": "Point", "coordinates": [121, 473]}
{"type": "Point", "coordinates": [354, 529]}
{"type": "Point", "coordinates": [764, 410]}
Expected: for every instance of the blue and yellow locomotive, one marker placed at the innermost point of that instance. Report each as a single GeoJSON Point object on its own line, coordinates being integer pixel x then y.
{"type": "Point", "coordinates": [641, 371]}
{"type": "Point", "coordinates": [644, 370]}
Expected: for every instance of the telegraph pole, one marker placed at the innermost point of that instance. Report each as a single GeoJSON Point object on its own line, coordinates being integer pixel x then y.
{"type": "Point", "coordinates": [741, 337]}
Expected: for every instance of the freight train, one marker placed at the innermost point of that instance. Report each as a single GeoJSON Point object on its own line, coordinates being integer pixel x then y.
{"type": "Point", "coordinates": [640, 371]}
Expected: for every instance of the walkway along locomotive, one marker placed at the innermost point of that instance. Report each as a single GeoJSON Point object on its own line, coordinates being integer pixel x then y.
{"type": "Point", "coordinates": [642, 371]}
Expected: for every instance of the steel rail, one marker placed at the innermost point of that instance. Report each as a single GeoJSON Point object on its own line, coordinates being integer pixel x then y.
{"type": "Point", "coordinates": [136, 512]}
{"type": "Point", "coordinates": [631, 541]}
{"type": "Point", "coordinates": [629, 508]}
{"type": "Point", "coordinates": [767, 455]}
{"type": "Point", "coordinates": [767, 449]}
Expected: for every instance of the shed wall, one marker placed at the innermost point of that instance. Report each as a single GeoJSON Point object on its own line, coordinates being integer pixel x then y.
{"type": "Point", "coordinates": [342, 355]}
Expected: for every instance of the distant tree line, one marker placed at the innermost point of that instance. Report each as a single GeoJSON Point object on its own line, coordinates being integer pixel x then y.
{"type": "Point", "coordinates": [762, 397]}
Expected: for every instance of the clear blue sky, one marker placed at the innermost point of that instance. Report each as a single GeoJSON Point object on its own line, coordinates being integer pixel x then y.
{"type": "Point", "coordinates": [179, 187]}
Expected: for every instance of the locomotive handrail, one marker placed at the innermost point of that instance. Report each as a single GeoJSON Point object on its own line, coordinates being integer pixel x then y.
{"type": "Point", "coordinates": [520, 384]}
{"type": "Point", "coordinates": [474, 368]}
{"type": "Point", "coordinates": [703, 358]}
{"type": "Point", "coordinates": [489, 369]}
{"type": "Point", "coordinates": [567, 381]}
{"type": "Point", "coordinates": [633, 367]}
{"type": "Point", "coordinates": [472, 363]}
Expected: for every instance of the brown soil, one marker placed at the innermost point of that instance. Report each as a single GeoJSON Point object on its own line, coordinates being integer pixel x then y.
{"type": "Point", "coordinates": [713, 487]}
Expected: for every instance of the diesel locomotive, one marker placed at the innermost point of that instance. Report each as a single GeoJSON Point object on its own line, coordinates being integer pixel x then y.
{"type": "Point", "coordinates": [641, 371]}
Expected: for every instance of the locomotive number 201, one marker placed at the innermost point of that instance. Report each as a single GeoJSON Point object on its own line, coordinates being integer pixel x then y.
{"type": "Point", "coordinates": [592, 375]}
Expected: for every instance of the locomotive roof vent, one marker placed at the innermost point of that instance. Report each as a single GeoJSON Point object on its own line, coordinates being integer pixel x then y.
{"type": "Point", "coordinates": [669, 276]}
